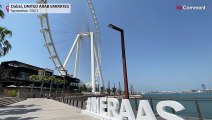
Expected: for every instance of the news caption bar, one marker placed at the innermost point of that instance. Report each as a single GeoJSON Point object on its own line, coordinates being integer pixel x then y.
{"type": "Point", "coordinates": [39, 8]}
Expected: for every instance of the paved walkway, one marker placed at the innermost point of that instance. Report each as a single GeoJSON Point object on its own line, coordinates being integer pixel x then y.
{"type": "Point", "coordinates": [41, 109]}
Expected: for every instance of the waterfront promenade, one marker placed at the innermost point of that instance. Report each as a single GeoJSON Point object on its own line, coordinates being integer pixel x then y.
{"type": "Point", "coordinates": [41, 109]}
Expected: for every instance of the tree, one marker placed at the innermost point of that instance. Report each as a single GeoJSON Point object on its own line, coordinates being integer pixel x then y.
{"type": "Point", "coordinates": [42, 79]}
{"type": "Point", "coordinates": [39, 78]}
{"type": "Point", "coordinates": [108, 91]}
{"type": "Point", "coordinates": [33, 78]}
{"type": "Point", "coordinates": [59, 82]}
{"type": "Point", "coordinates": [51, 79]}
{"type": "Point", "coordinates": [119, 91]}
{"type": "Point", "coordinates": [114, 90]}
{"type": "Point", "coordinates": [5, 45]}
{"type": "Point", "coordinates": [83, 88]}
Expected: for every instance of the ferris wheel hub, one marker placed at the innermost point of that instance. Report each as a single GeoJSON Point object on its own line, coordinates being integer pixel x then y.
{"type": "Point", "coordinates": [85, 34]}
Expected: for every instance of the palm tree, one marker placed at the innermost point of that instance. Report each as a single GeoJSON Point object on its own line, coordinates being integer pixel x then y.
{"type": "Point", "coordinates": [83, 88]}
{"type": "Point", "coordinates": [42, 79]}
{"type": "Point", "coordinates": [62, 82]}
{"type": "Point", "coordinates": [59, 82]}
{"type": "Point", "coordinates": [51, 79]}
{"type": "Point", "coordinates": [1, 14]}
{"type": "Point", "coordinates": [108, 91]}
{"type": "Point", "coordinates": [114, 89]}
{"type": "Point", "coordinates": [33, 78]}
{"type": "Point", "coordinates": [5, 45]}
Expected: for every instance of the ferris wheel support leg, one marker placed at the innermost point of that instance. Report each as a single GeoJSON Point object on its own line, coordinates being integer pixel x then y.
{"type": "Point", "coordinates": [93, 82]}
{"type": "Point", "coordinates": [98, 64]}
{"type": "Point", "coordinates": [71, 51]}
{"type": "Point", "coordinates": [77, 60]}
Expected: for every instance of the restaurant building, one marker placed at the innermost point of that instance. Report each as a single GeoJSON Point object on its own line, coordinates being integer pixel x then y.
{"type": "Point", "coordinates": [17, 73]}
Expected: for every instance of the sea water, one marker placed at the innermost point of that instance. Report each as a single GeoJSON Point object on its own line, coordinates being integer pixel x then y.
{"type": "Point", "coordinates": [187, 100]}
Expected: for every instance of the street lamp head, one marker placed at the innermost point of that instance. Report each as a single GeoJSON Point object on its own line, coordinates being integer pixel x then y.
{"type": "Point", "coordinates": [115, 27]}
{"type": "Point", "coordinates": [110, 26]}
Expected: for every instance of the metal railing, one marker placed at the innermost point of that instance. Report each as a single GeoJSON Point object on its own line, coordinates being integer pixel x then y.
{"type": "Point", "coordinates": [192, 100]}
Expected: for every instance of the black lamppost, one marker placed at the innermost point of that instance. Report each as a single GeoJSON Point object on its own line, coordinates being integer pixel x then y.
{"type": "Point", "coordinates": [123, 59]}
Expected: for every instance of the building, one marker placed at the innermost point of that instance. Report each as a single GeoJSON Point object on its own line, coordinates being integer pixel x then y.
{"type": "Point", "coordinates": [203, 87]}
{"type": "Point", "coordinates": [17, 73]}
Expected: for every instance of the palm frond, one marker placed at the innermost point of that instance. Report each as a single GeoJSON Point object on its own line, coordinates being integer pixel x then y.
{"type": "Point", "coordinates": [6, 48]}
{"type": "Point", "coordinates": [1, 14]}
{"type": "Point", "coordinates": [8, 32]}
{"type": "Point", "coordinates": [1, 29]}
{"type": "Point", "coordinates": [5, 31]}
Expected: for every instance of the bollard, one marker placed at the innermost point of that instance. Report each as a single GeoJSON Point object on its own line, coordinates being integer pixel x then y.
{"type": "Point", "coordinates": [73, 103]}
{"type": "Point", "coordinates": [81, 105]}
{"type": "Point", "coordinates": [84, 105]}
{"type": "Point", "coordinates": [69, 100]}
{"type": "Point", "coordinates": [66, 100]}
{"type": "Point", "coordinates": [77, 103]}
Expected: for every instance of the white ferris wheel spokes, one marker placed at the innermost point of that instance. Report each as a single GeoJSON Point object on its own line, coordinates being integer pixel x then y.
{"type": "Point", "coordinates": [94, 59]}
{"type": "Point", "coordinates": [95, 45]}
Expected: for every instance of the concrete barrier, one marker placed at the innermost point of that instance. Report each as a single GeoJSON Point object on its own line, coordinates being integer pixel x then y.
{"type": "Point", "coordinates": [72, 102]}
{"type": "Point", "coordinates": [80, 104]}
{"type": "Point", "coordinates": [75, 103]}
{"type": "Point", "coordinates": [69, 100]}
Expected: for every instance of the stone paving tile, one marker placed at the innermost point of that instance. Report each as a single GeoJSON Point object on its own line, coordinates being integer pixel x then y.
{"type": "Point", "coordinates": [41, 109]}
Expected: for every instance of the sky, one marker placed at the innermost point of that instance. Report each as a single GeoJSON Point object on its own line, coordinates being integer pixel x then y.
{"type": "Point", "coordinates": [166, 49]}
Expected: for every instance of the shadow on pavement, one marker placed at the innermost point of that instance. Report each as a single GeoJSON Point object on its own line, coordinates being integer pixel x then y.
{"type": "Point", "coordinates": [20, 106]}
{"type": "Point", "coordinates": [19, 118]}
{"type": "Point", "coordinates": [17, 111]}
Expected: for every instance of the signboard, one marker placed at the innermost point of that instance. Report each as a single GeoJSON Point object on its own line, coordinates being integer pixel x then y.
{"type": "Point", "coordinates": [108, 109]}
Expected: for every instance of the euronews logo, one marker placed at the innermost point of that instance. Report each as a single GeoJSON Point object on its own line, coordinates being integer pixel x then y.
{"type": "Point", "coordinates": [189, 8]}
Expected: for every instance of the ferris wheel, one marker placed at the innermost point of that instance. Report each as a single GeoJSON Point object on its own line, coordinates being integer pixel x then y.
{"type": "Point", "coordinates": [73, 41]}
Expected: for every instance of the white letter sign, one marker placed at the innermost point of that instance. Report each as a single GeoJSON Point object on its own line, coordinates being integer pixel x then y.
{"type": "Point", "coordinates": [104, 108]}
{"type": "Point", "coordinates": [126, 110]}
{"type": "Point", "coordinates": [168, 116]}
{"type": "Point", "coordinates": [145, 111]}
{"type": "Point", "coordinates": [113, 106]}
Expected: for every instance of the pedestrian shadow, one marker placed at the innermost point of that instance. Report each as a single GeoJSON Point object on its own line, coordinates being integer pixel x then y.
{"type": "Point", "coordinates": [19, 118]}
